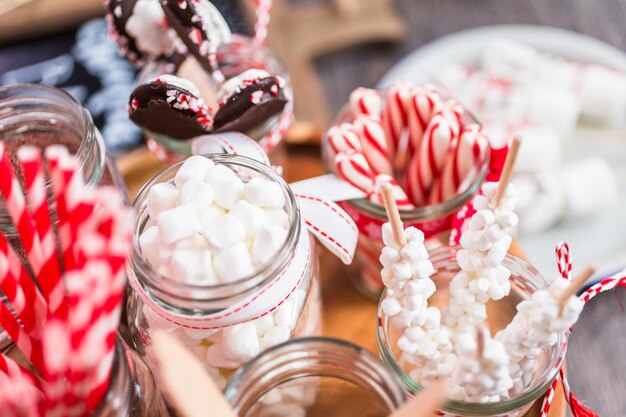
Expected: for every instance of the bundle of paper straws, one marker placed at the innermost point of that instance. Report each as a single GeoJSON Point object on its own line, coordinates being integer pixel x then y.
{"type": "Point", "coordinates": [64, 295]}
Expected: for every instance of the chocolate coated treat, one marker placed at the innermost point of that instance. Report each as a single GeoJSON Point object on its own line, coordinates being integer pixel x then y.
{"type": "Point", "coordinates": [250, 106]}
{"type": "Point", "coordinates": [199, 25]}
{"type": "Point", "coordinates": [168, 109]}
{"type": "Point", "coordinates": [141, 32]}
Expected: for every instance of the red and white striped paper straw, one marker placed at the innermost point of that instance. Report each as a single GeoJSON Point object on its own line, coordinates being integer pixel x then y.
{"type": "Point", "coordinates": [263, 13]}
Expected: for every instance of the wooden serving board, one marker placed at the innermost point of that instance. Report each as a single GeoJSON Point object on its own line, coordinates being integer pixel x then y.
{"type": "Point", "coordinates": [346, 314]}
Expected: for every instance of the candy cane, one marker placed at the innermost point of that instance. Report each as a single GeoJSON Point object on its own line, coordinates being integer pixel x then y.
{"type": "Point", "coordinates": [263, 12]}
{"type": "Point", "coordinates": [460, 161]}
{"type": "Point", "coordinates": [426, 165]}
{"type": "Point", "coordinates": [353, 168]}
{"type": "Point", "coordinates": [420, 109]}
{"type": "Point", "coordinates": [343, 138]}
{"type": "Point", "coordinates": [564, 260]}
{"type": "Point", "coordinates": [375, 148]}
{"type": "Point", "coordinates": [394, 114]}
{"type": "Point", "coordinates": [400, 196]}
{"type": "Point", "coordinates": [365, 101]}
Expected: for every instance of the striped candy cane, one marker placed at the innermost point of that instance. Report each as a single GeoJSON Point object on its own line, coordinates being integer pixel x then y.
{"type": "Point", "coordinates": [365, 101]}
{"type": "Point", "coordinates": [343, 138]}
{"type": "Point", "coordinates": [420, 109]}
{"type": "Point", "coordinates": [564, 260]}
{"type": "Point", "coordinates": [353, 168]}
{"type": "Point", "coordinates": [394, 114]}
{"type": "Point", "coordinates": [374, 143]}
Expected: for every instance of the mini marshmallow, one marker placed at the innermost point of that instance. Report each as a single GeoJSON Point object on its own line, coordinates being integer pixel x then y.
{"type": "Point", "coordinates": [161, 197]}
{"type": "Point", "coordinates": [216, 357]}
{"type": "Point", "coordinates": [240, 342]}
{"type": "Point", "coordinates": [284, 313]}
{"type": "Point", "coordinates": [196, 167]}
{"type": "Point", "coordinates": [234, 263]}
{"type": "Point", "coordinates": [223, 231]}
{"type": "Point", "coordinates": [277, 216]}
{"type": "Point", "coordinates": [251, 217]}
{"type": "Point", "coordinates": [227, 186]}
{"type": "Point", "coordinates": [267, 242]}
{"type": "Point", "coordinates": [149, 244]}
{"type": "Point", "coordinates": [264, 193]}
{"type": "Point", "coordinates": [589, 185]}
{"type": "Point", "coordinates": [196, 193]}
{"type": "Point", "coordinates": [178, 223]}
{"type": "Point", "coordinates": [275, 336]}
{"type": "Point", "coordinates": [263, 324]}
{"type": "Point", "coordinates": [193, 266]}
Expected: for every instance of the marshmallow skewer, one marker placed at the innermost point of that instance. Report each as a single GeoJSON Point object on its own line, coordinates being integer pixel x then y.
{"type": "Point", "coordinates": [188, 386]}
{"type": "Point", "coordinates": [426, 403]}
{"type": "Point", "coordinates": [575, 286]}
{"type": "Point", "coordinates": [507, 171]}
{"type": "Point", "coordinates": [393, 214]}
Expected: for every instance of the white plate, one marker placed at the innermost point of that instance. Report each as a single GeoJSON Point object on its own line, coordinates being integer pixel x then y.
{"type": "Point", "coordinates": [599, 239]}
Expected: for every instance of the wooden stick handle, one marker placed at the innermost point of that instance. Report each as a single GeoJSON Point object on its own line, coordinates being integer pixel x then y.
{"type": "Point", "coordinates": [507, 171]}
{"type": "Point", "coordinates": [575, 286]}
{"type": "Point", "coordinates": [393, 214]}
{"type": "Point", "coordinates": [426, 403]}
{"type": "Point", "coordinates": [480, 342]}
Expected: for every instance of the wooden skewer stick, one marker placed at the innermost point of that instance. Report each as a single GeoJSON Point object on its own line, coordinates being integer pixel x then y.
{"type": "Point", "coordinates": [187, 385]}
{"type": "Point", "coordinates": [426, 403]}
{"type": "Point", "coordinates": [393, 214]}
{"type": "Point", "coordinates": [507, 171]}
{"type": "Point", "coordinates": [480, 342]}
{"type": "Point", "coordinates": [577, 284]}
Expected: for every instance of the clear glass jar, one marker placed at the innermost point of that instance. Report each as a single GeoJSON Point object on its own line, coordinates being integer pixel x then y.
{"type": "Point", "coordinates": [434, 220]}
{"type": "Point", "coordinates": [233, 58]}
{"type": "Point", "coordinates": [206, 317]}
{"type": "Point", "coordinates": [132, 390]}
{"type": "Point", "coordinates": [315, 377]}
{"type": "Point", "coordinates": [40, 115]}
{"type": "Point", "coordinates": [525, 280]}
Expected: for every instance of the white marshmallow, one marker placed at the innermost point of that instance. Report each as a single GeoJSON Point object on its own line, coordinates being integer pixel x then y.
{"type": "Point", "coordinates": [283, 316]}
{"type": "Point", "coordinates": [199, 333]}
{"type": "Point", "coordinates": [275, 336]}
{"type": "Point", "coordinates": [277, 216]}
{"type": "Point", "coordinates": [267, 242]}
{"type": "Point", "coordinates": [215, 356]}
{"type": "Point", "coordinates": [241, 342]}
{"type": "Point", "coordinates": [554, 106]}
{"type": "Point", "coordinates": [193, 266]}
{"type": "Point", "coordinates": [196, 167]}
{"type": "Point", "coordinates": [541, 201]}
{"type": "Point", "coordinates": [196, 193]}
{"type": "Point", "coordinates": [541, 150]}
{"type": "Point", "coordinates": [227, 186]}
{"type": "Point", "coordinates": [603, 94]}
{"type": "Point", "coordinates": [149, 244]}
{"type": "Point", "coordinates": [589, 185]}
{"type": "Point", "coordinates": [223, 231]}
{"type": "Point", "coordinates": [209, 213]}
{"type": "Point", "coordinates": [234, 263]}
{"type": "Point", "coordinates": [263, 324]}
{"type": "Point", "coordinates": [178, 223]}
{"type": "Point", "coordinates": [264, 193]}
{"type": "Point", "coordinates": [161, 197]}
{"type": "Point", "coordinates": [251, 217]}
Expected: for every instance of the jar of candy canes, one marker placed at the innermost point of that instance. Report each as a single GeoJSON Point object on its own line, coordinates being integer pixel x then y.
{"type": "Point", "coordinates": [41, 116]}
{"type": "Point", "coordinates": [222, 259]}
{"type": "Point", "coordinates": [132, 390]}
{"type": "Point", "coordinates": [432, 151]}
{"type": "Point", "coordinates": [314, 377]}
{"type": "Point", "coordinates": [525, 280]}
{"type": "Point", "coordinates": [245, 67]}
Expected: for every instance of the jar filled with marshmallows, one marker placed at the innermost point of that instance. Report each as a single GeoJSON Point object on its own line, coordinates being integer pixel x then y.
{"type": "Point", "coordinates": [221, 259]}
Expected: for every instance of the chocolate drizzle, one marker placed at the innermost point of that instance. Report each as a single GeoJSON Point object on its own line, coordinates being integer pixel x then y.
{"type": "Point", "coordinates": [169, 110]}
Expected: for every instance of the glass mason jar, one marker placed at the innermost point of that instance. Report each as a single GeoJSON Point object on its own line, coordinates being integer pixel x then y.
{"type": "Point", "coordinates": [315, 377]}
{"type": "Point", "coordinates": [132, 390]}
{"type": "Point", "coordinates": [41, 116]}
{"type": "Point", "coordinates": [233, 58]}
{"type": "Point", "coordinates": [525, 280]}
{"type": "Point", "coordinates": [434, 220]}
{"type": "Point", "coordinates": [207, 318]}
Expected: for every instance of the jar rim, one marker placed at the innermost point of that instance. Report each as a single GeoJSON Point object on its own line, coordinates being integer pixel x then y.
{"type": "Point", "coordinates": [307, 346]}
{"type": "Point", "coordinates": [530, 395]}
{"type": "Point", "coordinates": [153, 279]}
